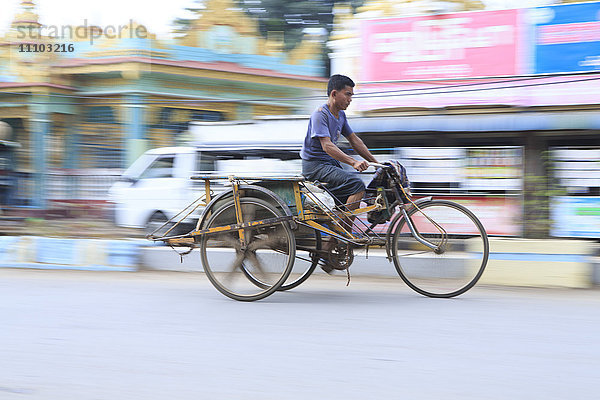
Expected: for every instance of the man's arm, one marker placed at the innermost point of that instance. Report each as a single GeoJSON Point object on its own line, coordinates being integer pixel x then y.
{"type": "Point", "coordinates": [359, 146]}
{"type": "Point", "coordinates": [330, 148]}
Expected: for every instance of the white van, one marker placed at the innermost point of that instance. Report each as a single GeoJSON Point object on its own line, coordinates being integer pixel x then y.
{"type": "Point", "coordinates": [157, 185]}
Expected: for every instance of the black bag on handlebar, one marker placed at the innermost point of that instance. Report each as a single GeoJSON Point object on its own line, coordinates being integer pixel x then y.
{"type": "Point", "coordinates": [386, 178]}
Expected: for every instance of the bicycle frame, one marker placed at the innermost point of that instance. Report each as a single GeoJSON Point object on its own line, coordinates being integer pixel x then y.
{"type": "Point", "coordinates": [284, 202]}
{"type": "Point", "coordinates": [303, 216]}
{"type": "Point", "coordinates": [315, 219]}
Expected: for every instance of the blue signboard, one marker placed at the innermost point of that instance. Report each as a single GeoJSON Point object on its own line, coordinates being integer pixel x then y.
{"type": "Point", "coordinates": [576, 216]}
{"type": "Point", "coordinates": [566, 38]}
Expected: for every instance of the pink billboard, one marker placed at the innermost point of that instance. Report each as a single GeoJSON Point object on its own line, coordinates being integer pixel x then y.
{"type": "Point", "coordinates": [459, 45]}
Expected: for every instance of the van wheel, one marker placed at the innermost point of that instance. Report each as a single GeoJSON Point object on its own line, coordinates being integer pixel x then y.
{"type": "Point", "coordinates": [155, 222]}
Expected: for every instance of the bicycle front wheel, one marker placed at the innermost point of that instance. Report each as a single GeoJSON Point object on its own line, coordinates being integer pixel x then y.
{"type": "Point", "coordinates": [257, 269]}
{"type": "Point", "coordinates": [459, 259]}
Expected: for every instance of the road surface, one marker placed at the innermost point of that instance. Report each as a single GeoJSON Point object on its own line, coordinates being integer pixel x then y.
{"type": "Point", "coordinates": [163, 335]}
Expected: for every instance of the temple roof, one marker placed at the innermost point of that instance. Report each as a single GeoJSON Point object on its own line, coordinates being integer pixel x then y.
{"type": "Point", "coordinates": [27, 15]}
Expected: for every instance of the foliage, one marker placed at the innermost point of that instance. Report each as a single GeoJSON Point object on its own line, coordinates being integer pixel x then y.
{"type": "Point", "coordinates": [182, 24]}
{"type": "Point", "coordinates": [538, 194]}
{"type": "Point", "coordinates": [292, 17]}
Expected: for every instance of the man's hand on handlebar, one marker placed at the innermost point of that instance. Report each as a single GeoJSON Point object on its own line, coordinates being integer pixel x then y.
{"type": "Point", "coordinates": [360, 166]}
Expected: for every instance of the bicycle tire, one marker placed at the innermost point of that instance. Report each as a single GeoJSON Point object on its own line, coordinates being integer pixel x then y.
{"type": "Point", "coordinates": [278, 239]}
{"type": "Point", "coordinates": [461, 260]}
{"type": "Point", "coordinates": [287, 285]}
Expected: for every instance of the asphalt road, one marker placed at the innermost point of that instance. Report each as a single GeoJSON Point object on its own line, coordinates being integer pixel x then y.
{"type": "Point", "coordinates": [158, 335]}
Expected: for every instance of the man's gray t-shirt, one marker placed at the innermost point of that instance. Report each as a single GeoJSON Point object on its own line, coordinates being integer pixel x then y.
{"type": "Point", "coordinates": [323, 124]}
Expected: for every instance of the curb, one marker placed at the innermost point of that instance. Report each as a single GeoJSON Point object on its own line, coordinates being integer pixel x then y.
{"type": "Point", "coordinates": [541, 263]}
{"type": "Point", "coordinates": [512, 262]}
{"type": "Point", "coordinates": [74, 254]}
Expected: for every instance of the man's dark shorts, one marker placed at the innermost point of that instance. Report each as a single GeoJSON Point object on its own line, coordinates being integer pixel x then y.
{"type": "Point", "coordinates": [341, 183]}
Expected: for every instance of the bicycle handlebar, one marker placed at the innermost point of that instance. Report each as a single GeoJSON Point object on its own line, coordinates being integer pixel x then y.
{"type": "Point", "coordinates": [377, 165]}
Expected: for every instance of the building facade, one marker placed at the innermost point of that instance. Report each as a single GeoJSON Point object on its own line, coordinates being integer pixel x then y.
{"type": "Point", "coordinates": [499, 107]}
{"type": "Point", "coordinates": [85, 101]}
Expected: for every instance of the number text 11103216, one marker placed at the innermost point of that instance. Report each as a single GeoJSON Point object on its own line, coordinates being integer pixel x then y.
{"type": "Point", "coordinates": [46, 48]}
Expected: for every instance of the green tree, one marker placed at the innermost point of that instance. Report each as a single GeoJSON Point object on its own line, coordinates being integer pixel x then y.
{"type": "Point", "coordinates": [293, 17]}
{"type": "Point", "coordinates": [538, 194]}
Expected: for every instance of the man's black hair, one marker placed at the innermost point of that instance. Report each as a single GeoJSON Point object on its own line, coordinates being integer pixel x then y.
{"type": "Point", "coordinates": [338, 82]}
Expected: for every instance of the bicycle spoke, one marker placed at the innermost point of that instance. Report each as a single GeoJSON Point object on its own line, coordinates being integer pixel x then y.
{"type": "Point", "coordinates": [252, 257]}
{"type": "Point", "coordinates": [264, 244]}
{"type": "Point", "coordinates": [416, 253]}
{"type": "Point", "coordinates": [230, 241]}
{"type": "Point", "coordinates": [230, 275]}
{"type": "Point", "coordinates": [458, 260]}
{"type": "Point", "coordinates": [256, 270]}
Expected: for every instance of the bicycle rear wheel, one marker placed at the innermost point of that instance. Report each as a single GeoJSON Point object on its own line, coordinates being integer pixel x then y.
{"type": "Point", "coordinates": [460, 260]}
{"type": "Point", "coordinates": [307, 259]}
{"type": "Point", "coordinates": [256, 270]}
{"type": "Point", "coordinates": [307, 246]}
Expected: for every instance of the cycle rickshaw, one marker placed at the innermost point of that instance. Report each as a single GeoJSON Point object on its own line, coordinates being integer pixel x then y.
{"type": "Point", "coordinates": [264, 235]}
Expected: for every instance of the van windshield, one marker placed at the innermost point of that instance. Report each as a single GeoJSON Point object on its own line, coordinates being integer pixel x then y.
{"type": "Point", "coordinates": [137, 168]}
{"type": "Point", "coordinates": [151, 166]}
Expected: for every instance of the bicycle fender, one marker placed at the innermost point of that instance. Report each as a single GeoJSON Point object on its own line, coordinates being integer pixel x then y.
{"type": "Point", "coordinates": [394, 222]}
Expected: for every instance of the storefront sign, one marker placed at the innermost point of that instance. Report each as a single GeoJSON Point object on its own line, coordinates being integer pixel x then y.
{"type": "Point", "coordinates": [467, 44]}
{"type": "Point", "coordinates": [566, 38]}
{"type": "Point", "coordinates": [576, 216]}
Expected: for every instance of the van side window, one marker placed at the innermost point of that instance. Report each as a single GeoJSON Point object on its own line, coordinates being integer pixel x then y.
{"type": "Point", "coordinates": [205, 162]}
{"type": "Point", "coordinates": [160, 168]}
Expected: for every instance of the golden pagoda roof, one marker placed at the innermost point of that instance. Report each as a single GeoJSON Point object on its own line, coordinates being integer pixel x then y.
{"type": "Point", "coordinates": [28, 15]}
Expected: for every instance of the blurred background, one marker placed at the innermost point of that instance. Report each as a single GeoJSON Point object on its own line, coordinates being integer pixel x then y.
{"type": "Point", "coordinates": [492, 106]}
{"type": "Point", "coordinates": [107, 107]}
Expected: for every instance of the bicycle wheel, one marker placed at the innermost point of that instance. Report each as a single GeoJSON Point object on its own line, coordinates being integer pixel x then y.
{"type": "Point", "coordinates": [307, 258]}
{"type": "Point", "coordinates": [267, 258]}
{"type": "Point", "coordinates": [460, 260]}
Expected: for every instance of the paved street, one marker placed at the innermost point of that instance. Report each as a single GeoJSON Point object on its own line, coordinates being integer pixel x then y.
{"type": "Point", "coordinates": [162, 335]}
